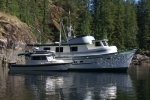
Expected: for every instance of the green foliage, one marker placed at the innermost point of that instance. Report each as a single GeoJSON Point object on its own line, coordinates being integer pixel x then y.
{"type": "Point", "coordinates": [84, 18]}
{"type": "Point", "coordinates": [115, 20]}
{"type": "Point", "coordinates": [2, 5]}
{"type": "Point", "coordinates": [32, 12]}
{"type": "Point", "coordinates": [130, 24]}
{"type": "Point", "coordinates": [143, 12]}
{"type": "Point", "coordinates": [125, 23]}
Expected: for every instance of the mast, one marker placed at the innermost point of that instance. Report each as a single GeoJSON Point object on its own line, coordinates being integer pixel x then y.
{"type": "Point", "coordinates": [60, 33]}
{"type": "Point", "coordinates": [60, 36]}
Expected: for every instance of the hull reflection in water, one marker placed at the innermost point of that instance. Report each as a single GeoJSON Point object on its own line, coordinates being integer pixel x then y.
{"type": "Point", "coordinates": [77, 85]}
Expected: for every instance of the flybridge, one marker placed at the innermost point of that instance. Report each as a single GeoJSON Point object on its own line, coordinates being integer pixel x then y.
{"type": "Point", "coordinates": [85, 40]}
{"type": "Point", "coordinates": [77, 45]}
{"type": "Point", "coordinates": [85, 45]}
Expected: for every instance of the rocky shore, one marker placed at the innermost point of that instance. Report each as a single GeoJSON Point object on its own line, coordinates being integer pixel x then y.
{"type": "Point", "coordinates": [141, 57]}
{"type": "Point", "coordinates": [10, 55]}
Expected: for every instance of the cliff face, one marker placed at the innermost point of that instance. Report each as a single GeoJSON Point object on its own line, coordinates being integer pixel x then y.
{"type": "Point", "coordinates": [13, 33]}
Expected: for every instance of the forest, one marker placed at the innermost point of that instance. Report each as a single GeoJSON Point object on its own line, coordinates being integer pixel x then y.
{"type": "Point", "coordinates": [125, 23]}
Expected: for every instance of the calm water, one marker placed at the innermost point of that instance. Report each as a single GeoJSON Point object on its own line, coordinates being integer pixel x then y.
{"type": "Point", "coordinates": [134, 85]}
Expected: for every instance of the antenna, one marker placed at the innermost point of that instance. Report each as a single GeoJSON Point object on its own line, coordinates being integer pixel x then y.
{"type": "Point", "coordinates": [36, 30]}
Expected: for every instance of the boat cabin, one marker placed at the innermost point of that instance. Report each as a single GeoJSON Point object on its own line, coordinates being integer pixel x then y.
{"type": "Point", "coordinates": [78, 44]}
{"type": "Point", "coordinates": [43, 55]}
{"type": "Point", "coordinates": [98, 43]}
{"type": "Point", "coordinates": [48, 57]}
{"type": "Point", "coordinates": [38, 56]}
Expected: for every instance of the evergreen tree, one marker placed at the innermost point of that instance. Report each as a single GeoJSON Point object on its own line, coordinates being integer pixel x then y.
{"type": "Point", "coordinates": [115, 20]}
{"type": "Point", "coordinates": [103, 18]}
{"type": "Point", "coordinates": [2, 5]}
{"type": "Point", "coordinates": [143, 12]}
{"type": "Point", "coordinates": [77, 14]}
{"type": "Point", "coordinates": [13, 7]}
{"type": "Point", "coordinates": [97, 6]}
{"type": "Point", "coordinates": [84, 18]}
{"type": "Point", "coordinates": [23, 9]}
{"type": "Point", "coordinates": [130, 24]}
{"type": "Point", "coordinates": [118, 35]}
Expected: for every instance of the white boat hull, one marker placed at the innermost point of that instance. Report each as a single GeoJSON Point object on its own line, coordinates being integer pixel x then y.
{"type": "Point", "coordinates": [108, 62]}
{"type": "Point", "coordinates": [114, 60]}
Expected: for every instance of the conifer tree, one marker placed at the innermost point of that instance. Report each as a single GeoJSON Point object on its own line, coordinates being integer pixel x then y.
{"type": "Point", "coordinates": [130, 24]}
{"type": "Point", "coordinates": [118, 35]}
{"type": "Point", "coordinates": [84, 18]}
{"type": "Point", "coordinates": [103, 18]}
{"type": "Point", "coordinates": [2, 5]}
{"type": "Point", "coordinates": [115, 20]}
{"type": "Point", "coordinates": [143, 12]}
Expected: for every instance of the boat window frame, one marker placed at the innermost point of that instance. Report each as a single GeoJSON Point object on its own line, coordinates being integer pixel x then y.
{"type": "Point", "coordinates": [59, 50]}
{"type": "Point", "coordinates": [104, 43]}
{"type": "Point", "coordinates": [46, 48]}
{"type": "Point", "coordinates": [98, 43]}
{"type": "Point", "coordinates": [74, 49]}
{"type": "Point", "coordinates": [38, 58]}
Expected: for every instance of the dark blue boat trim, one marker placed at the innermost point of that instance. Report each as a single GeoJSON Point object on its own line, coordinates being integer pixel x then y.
{"type": "Point", "coordinates": [117, 70]}
{"type": "Point", "coordinates": [40, 45]}
{"type": "Point", "coordinates": [37, 65]}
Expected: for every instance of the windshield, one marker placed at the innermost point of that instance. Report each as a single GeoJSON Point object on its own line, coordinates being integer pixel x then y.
{"type": "Point", "coordinates": [104, 43]}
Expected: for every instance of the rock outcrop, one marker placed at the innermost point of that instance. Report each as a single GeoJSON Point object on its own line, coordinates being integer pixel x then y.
{"type": "Point", "coordinates": [139, 59]}
{"type": "Point", "coordinates": [14, 34]}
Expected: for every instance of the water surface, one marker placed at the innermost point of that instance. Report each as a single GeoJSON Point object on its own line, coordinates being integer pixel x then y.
{"type": "Point", "coordinates": [33, 85]}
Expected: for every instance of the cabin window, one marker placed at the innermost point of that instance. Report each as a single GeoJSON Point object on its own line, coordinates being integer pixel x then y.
{"type": "Point", "coordinates": [59, 49]}
{"type": "Point", "coordinates": [43, 58]}
{"type": "Point", "coordinates": [104, 43]}
{"type": "Point", "coordinates": [47, 48]}
{"type": "Point", "coordinates": [97, 43]}
{"type": "Point", "coordinates": [73, 48]}
{"type": "Point", "coordinates": [39, 58]}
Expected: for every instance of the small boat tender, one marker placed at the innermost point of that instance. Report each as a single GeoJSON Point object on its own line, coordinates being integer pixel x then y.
{"type": "Point", "coordinates": [40, 60]}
